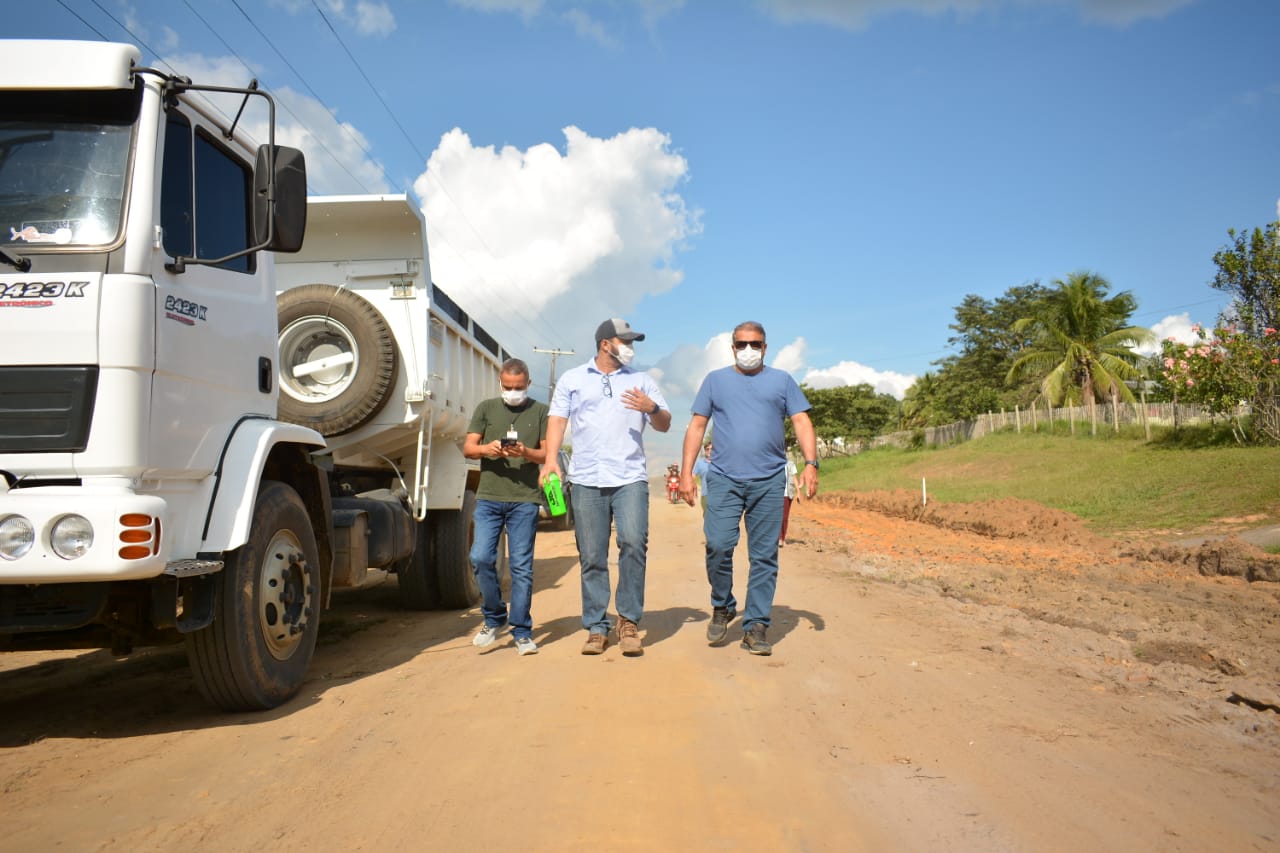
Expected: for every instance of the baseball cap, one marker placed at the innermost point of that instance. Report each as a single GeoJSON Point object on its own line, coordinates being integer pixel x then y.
{"type": "Point", "coordinates": [617, 328]}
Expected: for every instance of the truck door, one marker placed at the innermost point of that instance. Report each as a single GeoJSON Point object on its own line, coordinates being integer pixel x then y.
{"type": "Point", "coordinates": [216, 325]}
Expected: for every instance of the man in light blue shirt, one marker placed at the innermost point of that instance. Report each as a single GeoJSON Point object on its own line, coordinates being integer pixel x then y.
{"type": "Point", "coordinates": [606, 406]}
{"type": "Point", "coordinates": [748, 403]}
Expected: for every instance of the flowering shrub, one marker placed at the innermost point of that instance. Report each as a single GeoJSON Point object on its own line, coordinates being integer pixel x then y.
{"type": "Point", "coordinates": [1224, 370]}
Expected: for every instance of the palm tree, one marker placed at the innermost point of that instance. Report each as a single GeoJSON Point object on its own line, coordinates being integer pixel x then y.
{"type": "Point", "coordinates": [1081, 344]}
{"type": "Point", "coordinates": [918, 401]}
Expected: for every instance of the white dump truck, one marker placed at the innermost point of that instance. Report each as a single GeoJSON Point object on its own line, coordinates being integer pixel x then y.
{"type": "Point", "coordinates": [218, 401]}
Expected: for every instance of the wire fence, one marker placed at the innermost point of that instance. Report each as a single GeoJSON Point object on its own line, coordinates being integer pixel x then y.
{"type": "Point", "coordinates": [1073, 419]}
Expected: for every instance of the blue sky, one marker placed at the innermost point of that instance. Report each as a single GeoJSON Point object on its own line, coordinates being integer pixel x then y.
{"type": "Point", "coordinates": [843, 171]}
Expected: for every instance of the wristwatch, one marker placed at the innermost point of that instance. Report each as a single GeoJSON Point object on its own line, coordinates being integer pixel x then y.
{"type": "Point", "coordinates": [813, 462]}
{"type": "Point", "coordinates": [656, 409]}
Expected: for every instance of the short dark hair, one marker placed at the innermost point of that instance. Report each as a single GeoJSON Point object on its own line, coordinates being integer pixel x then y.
{"type": "Point", "coordinates": [749, 326]}
{"type": "Point", "coordinates": [516, 366]}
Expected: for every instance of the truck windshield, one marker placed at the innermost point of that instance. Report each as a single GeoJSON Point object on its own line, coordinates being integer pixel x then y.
{"type": "Point", "coordinates": [64, 157]}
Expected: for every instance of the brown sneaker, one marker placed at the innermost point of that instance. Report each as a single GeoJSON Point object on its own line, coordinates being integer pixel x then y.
{"type": "Point", "coordinates": [595, 644]}
{"type": "Point", "coordinates": [753, 640]}
{"type": "Point", "coordinates": [629, 638]}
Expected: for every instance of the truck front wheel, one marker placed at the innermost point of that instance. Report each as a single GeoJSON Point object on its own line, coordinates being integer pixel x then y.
{"type": "Point", "coordinates": [255, 654]}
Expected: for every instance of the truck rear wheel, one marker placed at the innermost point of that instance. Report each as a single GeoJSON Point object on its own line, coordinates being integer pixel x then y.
{"type": "Point", "coordinates": [417, 577]}
{"type": "Point", "coordinates": [255, 654]}
{"type": "Point", "coordinates": [452, 532]}
{"type": "Point", "coordinates": [338, 363]}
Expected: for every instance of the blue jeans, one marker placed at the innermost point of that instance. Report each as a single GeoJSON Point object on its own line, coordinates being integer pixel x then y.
{"type": "Point", "coordinates": [627, 507]}
{"type": "Point", "coordinates": [728, 501]}
{"type": "Point", "coordinates": [521, 521]}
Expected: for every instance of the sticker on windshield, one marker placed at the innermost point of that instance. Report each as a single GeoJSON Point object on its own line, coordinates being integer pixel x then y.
{"type": "Point", "coordinates": [42, 232]}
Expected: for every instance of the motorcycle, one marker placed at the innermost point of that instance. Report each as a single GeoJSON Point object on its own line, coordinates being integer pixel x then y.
{"type": "Point", "coordinates": [673, 485]}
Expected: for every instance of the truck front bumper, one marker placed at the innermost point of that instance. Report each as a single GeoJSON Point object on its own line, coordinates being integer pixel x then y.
{"type": "Point", "coordinates": [125, 539]}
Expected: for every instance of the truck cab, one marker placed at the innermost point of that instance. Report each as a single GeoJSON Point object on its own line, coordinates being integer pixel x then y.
{"type": "Point", "coordinates": [138, 392]}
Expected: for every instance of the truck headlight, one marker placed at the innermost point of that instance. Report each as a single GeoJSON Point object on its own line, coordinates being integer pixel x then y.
{"type": "Point", "coordinates": [71, 536]}
{"type": "Point", "coordinates": [17, 535]}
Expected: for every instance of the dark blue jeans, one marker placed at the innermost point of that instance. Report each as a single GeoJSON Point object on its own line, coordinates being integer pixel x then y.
{"type": "Point", "coordinates": [728, 502]}
{"type": "Point", "coordinates": [595, 511]}
{"type": "Point", "coordinates": [521, 522]}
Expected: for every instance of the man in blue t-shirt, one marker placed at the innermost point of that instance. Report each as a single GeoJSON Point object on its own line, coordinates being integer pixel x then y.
{"type": "Point", "coordinates": [749, 404]}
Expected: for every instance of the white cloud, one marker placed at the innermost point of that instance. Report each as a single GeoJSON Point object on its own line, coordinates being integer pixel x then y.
{"type": "Point", "coordinates": [337, 155]}
{"type": "Point", "coordinates": [526, 8]}
{"type": "Point", "coordinates": [338, 159]}
{"type": "Point", "coordinates": [791, 357]}
{"type": "Point", "coordinates": [1176, 326]}
{"type": "Point", "coordinates": [681, 372]}
{"type": "Point", "coordinates": [374, 19]}
{"type": "Point", "coordinates": [367, 17]}
{"type": "Point", "coordinates": [589, 28]}
{"type": "Point", "coordinates": [571, 237]}
{"type": "Point", "coordinates": [853, 373]}
{"type": "Point", "coordinates": [858, 14]}
{"type": "Point", "coordinates": [1121, 13]}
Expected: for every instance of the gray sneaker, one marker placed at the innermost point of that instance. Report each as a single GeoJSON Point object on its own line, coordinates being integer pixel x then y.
{"type": "Point", "coordinates": [486, 635]}
{"type": "Point", "coordinates": [526, 646]}
{"type": "Point", "coordinates": [718, 627]}
{"type": "Point", "coordinates": [753, 640]}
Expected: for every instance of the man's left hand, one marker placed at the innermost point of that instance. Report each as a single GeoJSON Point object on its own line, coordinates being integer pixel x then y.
{"type": "Point", "coordinates": [637, 400]}
{"type": "Point", "coordinates": [810, 479]}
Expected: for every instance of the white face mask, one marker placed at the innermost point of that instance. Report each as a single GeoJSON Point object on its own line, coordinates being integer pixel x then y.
{"type": "Point", "coordinates": [748, 359]}
{"type": "Point", "coordinates": [624, 354]}
{"type": "Point", "coordinates": [516, 397]}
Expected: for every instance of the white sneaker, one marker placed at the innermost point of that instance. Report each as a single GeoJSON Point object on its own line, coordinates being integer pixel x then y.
{"type": "Point", "coordinates": [526, 646]}
{"type": "Point", "coordinates": [486, 635]}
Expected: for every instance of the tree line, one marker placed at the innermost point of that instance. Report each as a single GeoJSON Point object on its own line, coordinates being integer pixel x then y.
{"type": "Point", "coordinates": [1072, 343]}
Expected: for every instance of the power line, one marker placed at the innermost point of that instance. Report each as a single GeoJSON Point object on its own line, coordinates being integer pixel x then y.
{"type": "Point", "coordinates": [285, 106]}
{"type": "Point", "coordinates": [551, 386]}
{"type": "Point", "coordinates": [497, 310]}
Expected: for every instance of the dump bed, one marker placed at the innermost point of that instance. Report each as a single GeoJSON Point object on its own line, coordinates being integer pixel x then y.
{"type": "Point", "coordinates": [375, 247]}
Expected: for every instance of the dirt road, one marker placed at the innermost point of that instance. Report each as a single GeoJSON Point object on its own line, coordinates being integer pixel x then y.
{"type": "Point", "coordinates": [931, 689]}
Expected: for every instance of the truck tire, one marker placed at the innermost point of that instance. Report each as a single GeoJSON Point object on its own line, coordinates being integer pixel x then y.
{"type": "Point", "coordinates": [416, 575]}
{"type": "Point", "coordinates": [320, 322]}
{"type": "Point", "coordinates": [255, 653]}
{"type": "Point", "coordinates": [452, 532]}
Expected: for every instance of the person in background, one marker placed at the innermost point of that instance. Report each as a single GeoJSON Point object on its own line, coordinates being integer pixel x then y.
{"type": "Point", "coordinates": [748, 403]}
{"type": "Point", "coordinates": [792, 493]}
{"type": "Point", "coordinates": [507, 434]}
{"type": "Point", "coordinates": [700, 469]}
{"type": "Point", "coordinates": [607, 405]}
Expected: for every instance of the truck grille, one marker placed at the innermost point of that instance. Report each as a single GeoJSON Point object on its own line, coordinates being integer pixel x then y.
{"type": "Point", "coordinates": [46, 409]}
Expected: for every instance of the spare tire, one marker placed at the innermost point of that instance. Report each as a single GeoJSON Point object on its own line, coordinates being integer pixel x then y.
{"type": "Point", "coordinates": [338, 364]}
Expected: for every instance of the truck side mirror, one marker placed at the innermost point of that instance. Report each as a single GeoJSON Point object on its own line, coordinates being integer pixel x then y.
{"type": "Point", "coordinates": [280, 227]}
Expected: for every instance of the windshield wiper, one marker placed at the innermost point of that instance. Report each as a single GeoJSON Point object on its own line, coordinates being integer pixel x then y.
{"type": "Point", "coordinates": [18, 262]}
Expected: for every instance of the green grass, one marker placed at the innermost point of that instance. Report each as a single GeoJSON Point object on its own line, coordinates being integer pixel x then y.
{"type": "Point", "coordinates": [1115, 483]}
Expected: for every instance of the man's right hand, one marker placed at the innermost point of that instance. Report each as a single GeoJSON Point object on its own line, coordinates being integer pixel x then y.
{"type": "Point", "coordinates": [548, 468]}
{"type": "Point", "coordinates": [688, 488]}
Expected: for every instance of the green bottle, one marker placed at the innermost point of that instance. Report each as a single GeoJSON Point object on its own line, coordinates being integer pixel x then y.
{"type": "Point", "coordinates": [555, 495]}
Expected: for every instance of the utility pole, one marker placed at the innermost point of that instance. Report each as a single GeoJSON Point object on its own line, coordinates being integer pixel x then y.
{"type": "Point", "coordinates": [551, 386]}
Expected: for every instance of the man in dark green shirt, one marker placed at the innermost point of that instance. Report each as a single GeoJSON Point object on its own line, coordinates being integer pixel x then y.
{"type": "Point", "coordinates": [507, 434]}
